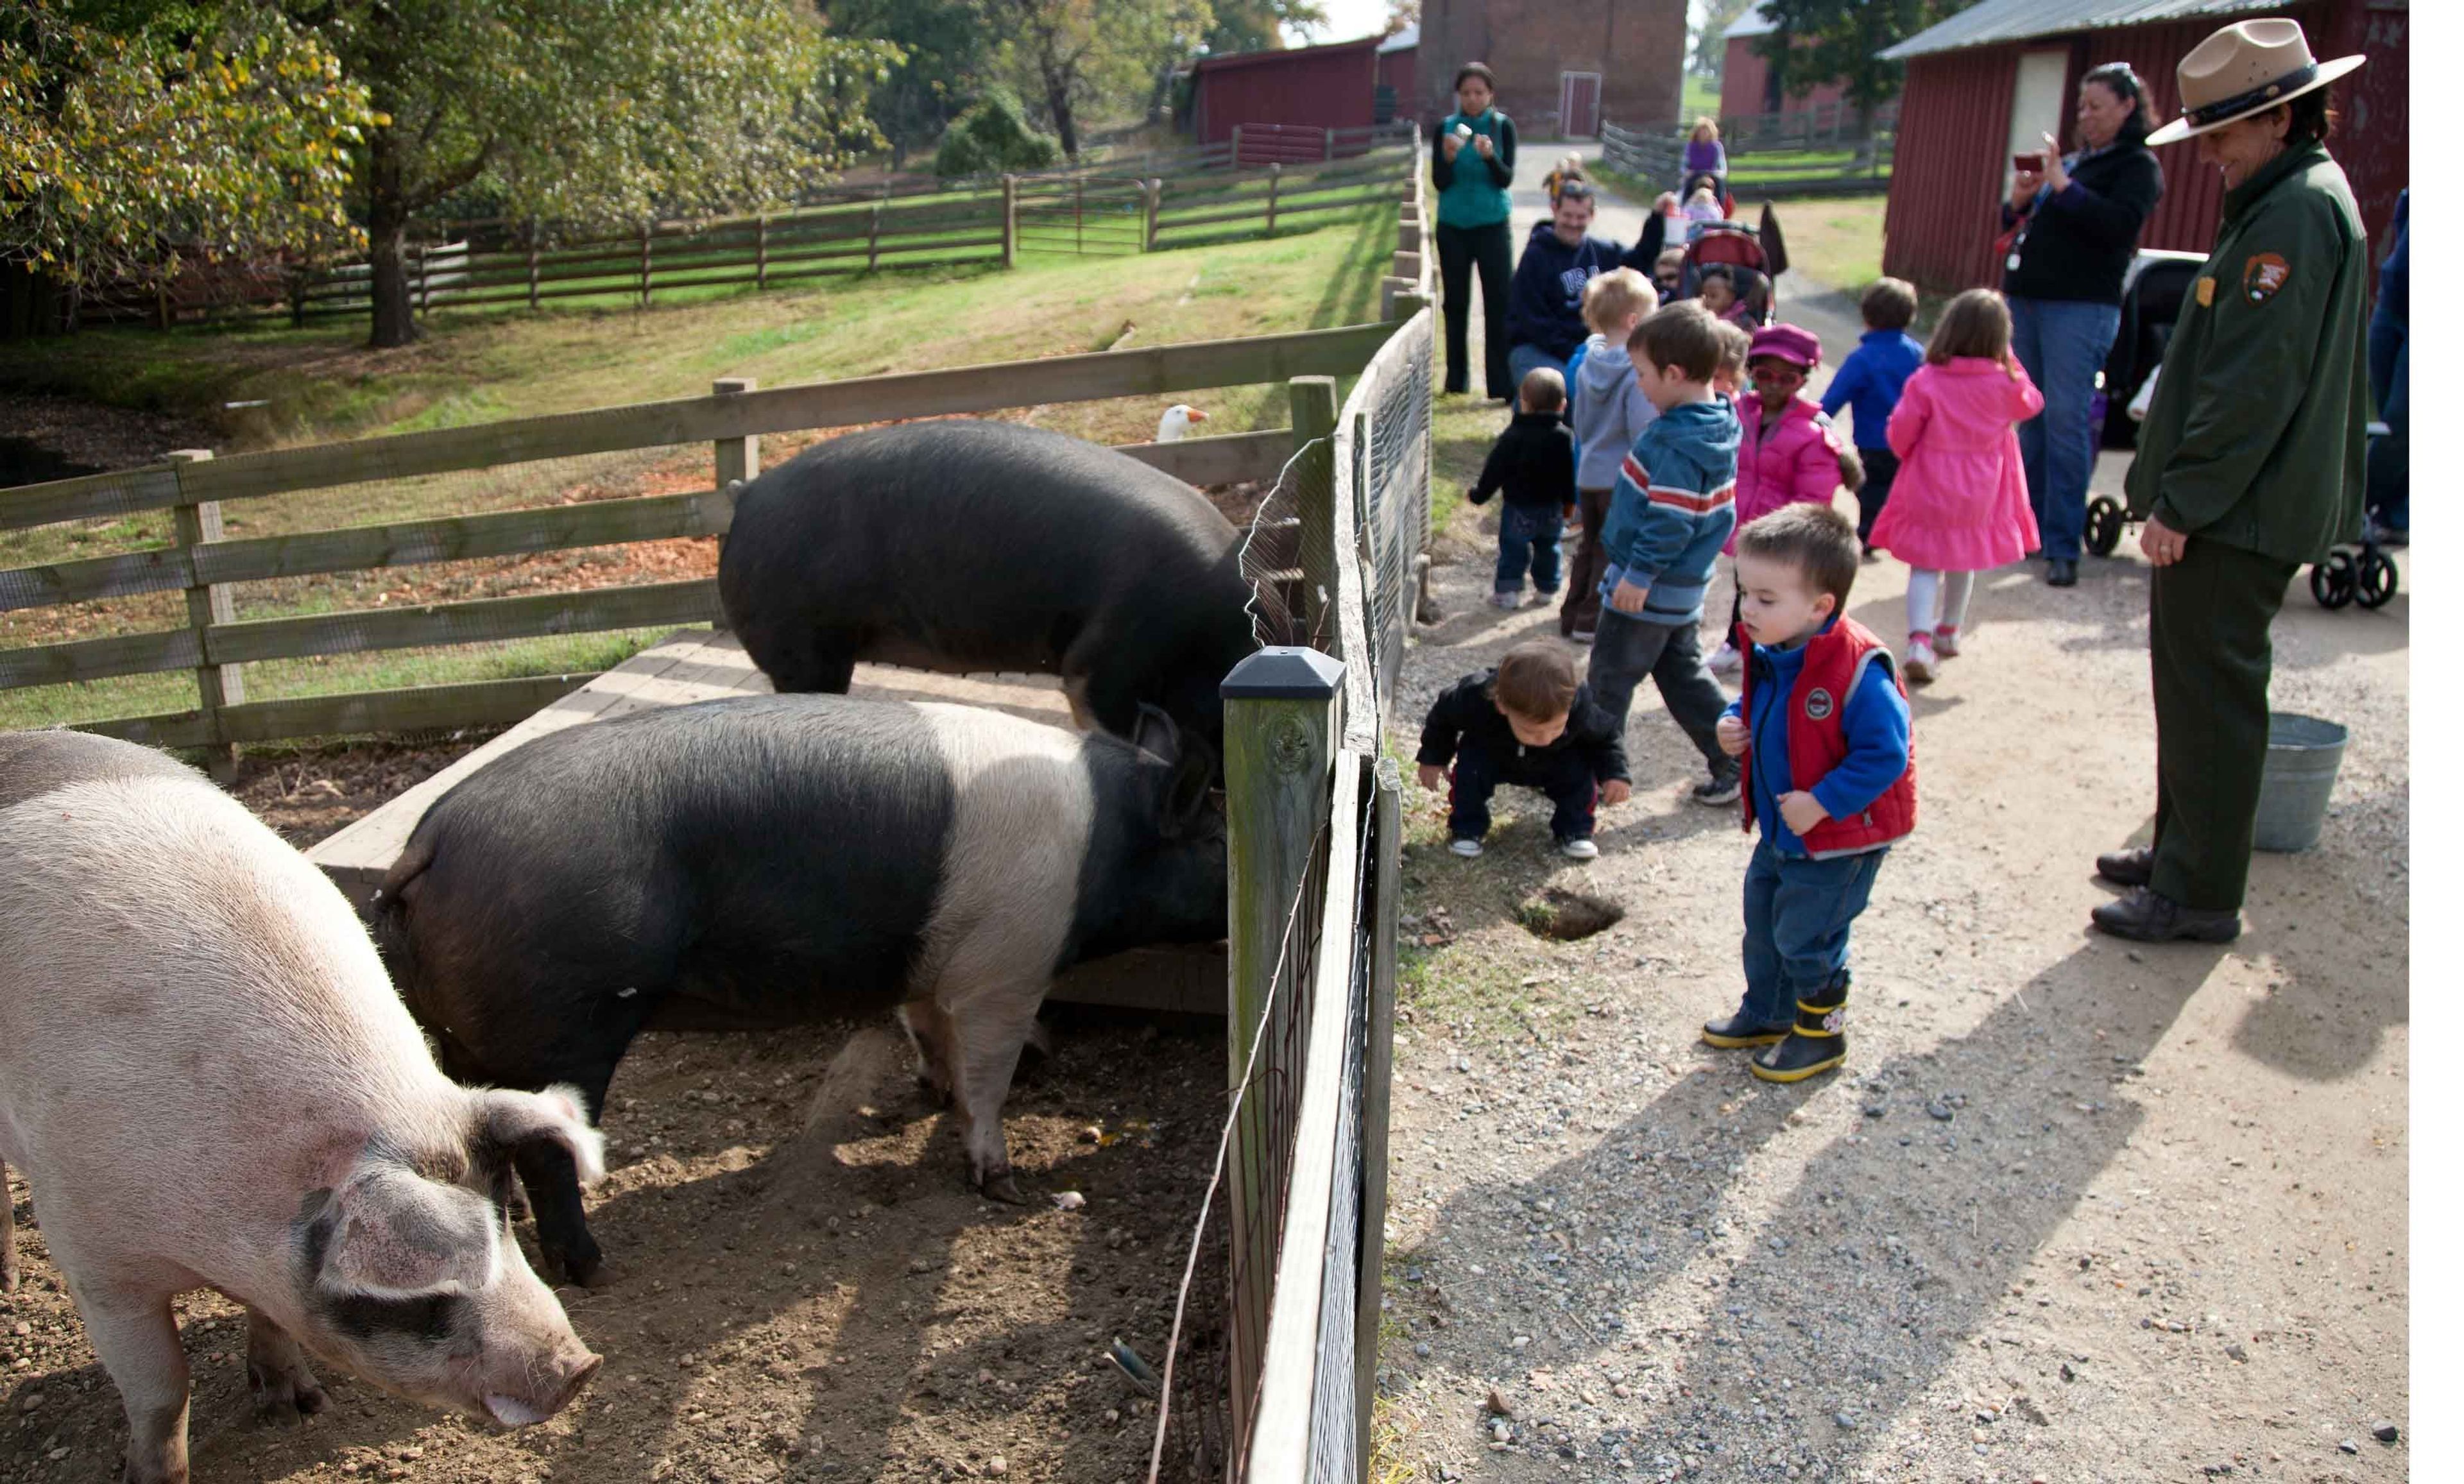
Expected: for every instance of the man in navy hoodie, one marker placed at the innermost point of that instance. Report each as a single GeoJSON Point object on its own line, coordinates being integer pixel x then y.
{"type": "Point", "coordinates": [1544, 306]}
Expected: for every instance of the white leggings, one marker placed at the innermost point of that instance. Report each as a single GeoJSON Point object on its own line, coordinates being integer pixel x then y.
{"type": "Point", "coordinates": [1938, 600]}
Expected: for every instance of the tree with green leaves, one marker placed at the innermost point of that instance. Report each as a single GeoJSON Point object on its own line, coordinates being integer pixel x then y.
{"type": "Point", "coordinates": [994, 136]}
{"type": "Point", "coordinates": [131, 143]}
{"type": "Point", "coordinates": [1711, 35]}
{"type": "Point", "coordinates": [945, 46]}
{"type": "Point", "coordinates": [1260, 25]}
{"type": "Point", "coordinates": [1074, 56]}
{"type": "Point", "coordinates": [586, 114]}
{"type": "Point", "coordinates": [1821, 41]}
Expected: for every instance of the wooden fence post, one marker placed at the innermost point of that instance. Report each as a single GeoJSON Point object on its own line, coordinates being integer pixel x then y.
{"type": "Point", "coordinates": [419, 255]}
{"type": "Point", "coordinates": [645, 265]}
{"type": "Point", "coordinates": [1274, 185]}
{"type": "Point", "coordinates": [1079, 216]}
{"type": "Point", "coordinates": [532, 260]}
{"type": "Point", "coordinates": [1236, 147]}
{"type": "Point", "coordinates": [1377, 1085]}
{"type": "Point", "coordinates": [733, 459]}
{"type": "Point", "coordinates": [190, 525]}
{"type": "Point", "coordinates": [762, 252]}
{"type": "Point", "coordinates": [1280, 718]}
{"type": "Point", "coordinates": [1154, 208]}
{"type": "Point", "coordinates": [872, 233]}
{"type": "Point", "coordinates": [1330, 143]}
{"type": "Point", "coordinates": [1010, 221]}
{"type": "Point", "coordinates": [1314, 403]}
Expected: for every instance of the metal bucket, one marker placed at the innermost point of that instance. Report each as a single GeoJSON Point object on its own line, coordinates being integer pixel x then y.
{"type": "Point", "coordinates": [2302, 755]}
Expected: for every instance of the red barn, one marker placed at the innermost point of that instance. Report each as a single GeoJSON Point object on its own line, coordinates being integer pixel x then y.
{"type": "Point", "coordinates": [1748, 85]}
{"type": "Point", "coordinates": [1319, 87]}
{"type": "Point", "coordinates": [1398, 64]}
{"type": "Point", "coordinates": [1561, 65]}
{"type": "Point", "coordinates": [1985, 83]}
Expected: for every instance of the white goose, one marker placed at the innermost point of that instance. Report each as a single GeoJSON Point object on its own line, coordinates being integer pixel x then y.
{"type": "Point", "coordinates": [1177, 418]}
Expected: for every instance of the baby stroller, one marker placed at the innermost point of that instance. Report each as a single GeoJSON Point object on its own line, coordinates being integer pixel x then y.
{"type": "Point", "coordinates": [1759, 252]}
{"type": "Point", "coordinates": [2363, 573]}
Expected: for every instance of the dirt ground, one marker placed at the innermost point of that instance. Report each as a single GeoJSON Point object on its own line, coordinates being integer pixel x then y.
{"type": "Point", "coordinates": [2074, 1210]}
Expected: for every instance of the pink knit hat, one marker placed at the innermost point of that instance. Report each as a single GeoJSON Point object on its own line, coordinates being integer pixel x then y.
{"type": "Point", "coordinates": [1786, 342]}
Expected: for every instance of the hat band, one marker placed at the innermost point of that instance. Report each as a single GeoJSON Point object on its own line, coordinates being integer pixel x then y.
{"type": "Point", "coordinates": [2256, 98]}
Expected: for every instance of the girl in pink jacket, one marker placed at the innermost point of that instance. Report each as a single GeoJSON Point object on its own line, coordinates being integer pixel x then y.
{"type": "Point", "coordinates": [1788, 453]}
{"type": "Point", "coordinates": [1961, 504]}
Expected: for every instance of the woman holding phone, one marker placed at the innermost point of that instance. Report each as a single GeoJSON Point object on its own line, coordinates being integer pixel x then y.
{"type": "Point", "coordinates": [2073, 223]}
{"type": "Point", "coordinates": [1472, 164]}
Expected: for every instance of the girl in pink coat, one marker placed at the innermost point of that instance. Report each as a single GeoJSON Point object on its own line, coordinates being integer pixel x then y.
{"type": "Point", "coordinates": [1789, 453]}
{"type": "Point", "coordinates": [1961, 504]}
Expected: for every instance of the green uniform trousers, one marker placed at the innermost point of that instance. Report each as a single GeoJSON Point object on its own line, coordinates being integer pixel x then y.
{"type": "Point", "coordinates": [2208, 648]}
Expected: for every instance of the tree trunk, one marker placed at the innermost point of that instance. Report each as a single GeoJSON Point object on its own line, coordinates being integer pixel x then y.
{"type": "Point", "coordinates": [1064, 123]}
{"type": "Point", "coordinates": [390, 319]}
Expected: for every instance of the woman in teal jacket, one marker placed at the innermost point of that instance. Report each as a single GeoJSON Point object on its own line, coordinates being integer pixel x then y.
{"type": "Point", "coordinates": [1471, 163]}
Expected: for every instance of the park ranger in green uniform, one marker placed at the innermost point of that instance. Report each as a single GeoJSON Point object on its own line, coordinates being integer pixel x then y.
{"type": "Point", "coordinates": [2249, 462]}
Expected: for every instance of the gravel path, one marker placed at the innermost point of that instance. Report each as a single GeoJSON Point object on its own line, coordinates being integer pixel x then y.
{"type": "Point", "coordinates": [2073, 1211]}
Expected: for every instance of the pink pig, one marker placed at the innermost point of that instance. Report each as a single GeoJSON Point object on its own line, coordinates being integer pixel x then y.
{"type": "Point", "coordinates": [210, 1082]}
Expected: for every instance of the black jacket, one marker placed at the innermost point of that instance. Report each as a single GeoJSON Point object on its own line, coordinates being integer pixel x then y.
{"type": "Point", "coordinates": [2080, 241]}
{"type": "Point", "coordinates": [1532, 461]}
{"type": "Point", "coordinates": [1544, 305]}
{"type": "Point", "coordinates": [1466, 716]}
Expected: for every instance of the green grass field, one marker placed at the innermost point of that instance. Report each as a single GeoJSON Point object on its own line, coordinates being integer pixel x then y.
{"type": "Point", "coordinates": [321, 383]}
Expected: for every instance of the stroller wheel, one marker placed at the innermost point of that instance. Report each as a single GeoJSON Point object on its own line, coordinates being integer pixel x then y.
{"type": "Point", "coordinates": [2104, 531]}
{"type": "Point", "coordinates": [2375, 582]}
{"type": "Point", "coordinates": [2332, 581]}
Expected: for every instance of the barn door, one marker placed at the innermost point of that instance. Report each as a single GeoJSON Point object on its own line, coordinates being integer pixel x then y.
{"type": "Point", "coordinates": [1579, 104]}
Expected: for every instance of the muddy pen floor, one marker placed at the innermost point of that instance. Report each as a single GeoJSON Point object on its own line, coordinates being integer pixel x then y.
{"type": "Point", "coordinates": [805, 1287]}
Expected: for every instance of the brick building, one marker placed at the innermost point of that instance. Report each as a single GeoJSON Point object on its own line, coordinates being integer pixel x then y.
{"type": "Point", "coordinates": [1749, 84]}
{"type": "Point", "coordinates": [1560, 64]}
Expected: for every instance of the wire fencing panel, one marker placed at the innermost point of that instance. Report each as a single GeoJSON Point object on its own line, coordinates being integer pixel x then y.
{"type": "Point", "coordinates": [1392, 453]}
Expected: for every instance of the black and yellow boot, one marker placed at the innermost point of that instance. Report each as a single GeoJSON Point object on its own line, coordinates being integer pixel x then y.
{"type": "Point", "coordinates": [1738, 1031]}
{"type": "Point", "coordinates": [1817, 1043]}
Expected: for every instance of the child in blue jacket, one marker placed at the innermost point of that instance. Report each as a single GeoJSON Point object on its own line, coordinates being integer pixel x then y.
{"type": "Point", "coordinates": [1870, 380]}
{"type": "Point", "coordinates": [1822, 729]}
{"type": "Point", "coordinates": [1671, 511]}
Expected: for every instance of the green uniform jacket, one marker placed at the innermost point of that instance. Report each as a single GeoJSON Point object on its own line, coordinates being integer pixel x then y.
{"type": "Point", "coordinates": [2257, 438]}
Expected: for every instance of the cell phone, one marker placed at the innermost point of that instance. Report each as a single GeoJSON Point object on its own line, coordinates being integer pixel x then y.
{"type": "Point", "coordinates": [2033, 163]}
{"type": "Point", "coordinates": [1462, 131]}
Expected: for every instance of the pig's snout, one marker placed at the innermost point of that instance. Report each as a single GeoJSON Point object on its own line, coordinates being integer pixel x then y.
{"type": "Point", "coordinates": [563, 1383]}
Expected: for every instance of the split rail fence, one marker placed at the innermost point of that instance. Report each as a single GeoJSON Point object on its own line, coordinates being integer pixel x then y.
{"type": "Point", "coordinates": [1211, 194]}
{"type": "Point", "coordinates": [1807, 153]}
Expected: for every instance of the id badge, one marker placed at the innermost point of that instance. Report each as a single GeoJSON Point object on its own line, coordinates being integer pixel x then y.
{"type": "Point", "coordinates": [2012, 261]}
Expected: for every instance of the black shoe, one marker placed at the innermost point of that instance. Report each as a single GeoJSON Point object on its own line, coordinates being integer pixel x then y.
{"type": "Point", "coordinates": [1737, 1031]}
{"type": "Point", "coordinates": [1719, 789]}
{"type": "Point", "coordinates": [2135, 866]}
{"type": "Point", "coordinates": [2146, 916]}
{"type": "Point", "coordinates": [1817, 1043]}
{"type": "Point", "coordinates": [2060, 571]}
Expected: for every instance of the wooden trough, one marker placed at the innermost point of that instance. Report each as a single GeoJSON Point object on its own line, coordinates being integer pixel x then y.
{"type": "Point", "coordinates": [697, 665]}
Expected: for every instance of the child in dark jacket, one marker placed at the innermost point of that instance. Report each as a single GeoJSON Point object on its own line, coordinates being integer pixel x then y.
{"type": "Point", "coordinates": [1534, 463]}
{"type": "Point", "coordinates": [1822, 730]}
{"type": "Point", "coordinates": [1870, 380]}
{"type": "Point", "coordinates": [1528, 722]}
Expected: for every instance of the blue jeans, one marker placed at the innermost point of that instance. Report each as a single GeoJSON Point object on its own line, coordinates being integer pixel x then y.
{"type": "Point", "coordinates": [1565, 776]}
{"type": "Point", "coordinates": [2062, 344]}
{"type": "Point", "coordinates": [1523, 360]}
{"type": "Point", "coordinates": [1798, 916]}
{"type": "Point", "coordinates": [1528, 536]}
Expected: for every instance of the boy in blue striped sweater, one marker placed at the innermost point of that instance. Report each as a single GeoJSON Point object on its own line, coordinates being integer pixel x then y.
{"type": "Point", "coordinates": [1673, 508]}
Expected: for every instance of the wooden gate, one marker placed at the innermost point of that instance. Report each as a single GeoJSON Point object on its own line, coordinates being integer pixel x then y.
{"type": "Point", "coordinates": [1579, 104]}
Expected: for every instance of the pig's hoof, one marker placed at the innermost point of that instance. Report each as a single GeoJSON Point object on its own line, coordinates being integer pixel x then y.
{"type": "Point", "coordinates": [287, 1395]}
{"type": "Point", "coordinates": [936, 1092]}
{"type": "Point", "coordinates": [9, 1276]}
{"type": "Point", "coordinates": [1003, 1187]}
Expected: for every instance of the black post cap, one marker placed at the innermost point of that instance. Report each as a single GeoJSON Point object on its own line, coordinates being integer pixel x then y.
{"type": "Point", "coordinates": [1285, 672]}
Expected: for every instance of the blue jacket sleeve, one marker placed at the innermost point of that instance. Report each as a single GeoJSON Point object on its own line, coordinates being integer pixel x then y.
{"type": "Point", "coordinates": [1530, 319]}
{"type": "Point", "coordinates": [1845, 384]}
{"type": "Point", "coordinates": [1877, 729]}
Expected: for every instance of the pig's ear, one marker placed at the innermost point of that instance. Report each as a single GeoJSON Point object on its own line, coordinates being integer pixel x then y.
{"type": "Point", "coordinates": [393, 1234]}
{"type": "Point", "coordinates": [1190, 798]}
{"type": "Point", "coordinates": [514, 1119]}
{"type": "Point", "coordinates": [1157, 733]}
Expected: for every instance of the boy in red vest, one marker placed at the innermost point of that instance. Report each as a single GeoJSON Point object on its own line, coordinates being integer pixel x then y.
{"type": "Point", "coordinates": [1822, 730]}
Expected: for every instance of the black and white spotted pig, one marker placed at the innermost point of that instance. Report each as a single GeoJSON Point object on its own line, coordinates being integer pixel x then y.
{"type": "Point", "coordinates": [769, 861]}
{"type": "Point", "coordinates": [209, 1083]}
{"type": "Point", "coordinates": [968, 546]}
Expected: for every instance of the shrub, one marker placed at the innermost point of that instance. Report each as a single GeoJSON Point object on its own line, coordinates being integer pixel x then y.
{"type": "Point", "coordinates": [990, 137]}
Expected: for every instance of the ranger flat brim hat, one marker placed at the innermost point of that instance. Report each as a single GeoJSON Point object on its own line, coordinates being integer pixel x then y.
{"type": "Point", "coordinates": [2246, 68]}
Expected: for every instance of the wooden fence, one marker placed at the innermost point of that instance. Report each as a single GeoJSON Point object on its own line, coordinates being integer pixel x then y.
{"type": "Point", "coordinates": [1655, 157]}
{"type": "Point", "coordinates": [1187, 195]}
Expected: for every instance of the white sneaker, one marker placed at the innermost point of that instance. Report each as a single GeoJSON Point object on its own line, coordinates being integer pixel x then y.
{"type": "Point", "coordinates": [1581, 636]}
{"type": "Point", "coordinates": [1579, 850]}
{"type": "Point", "coordinates": [1465, 848]}
{"type": "Point", "coordinates": [1946, 644]}
{"type": "Point", "coordinates": [1918, 666]}
{"type": "Point", "coordinates": [1506, 599]}
{"type": "Point", "coordinates": [1725, 660]}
